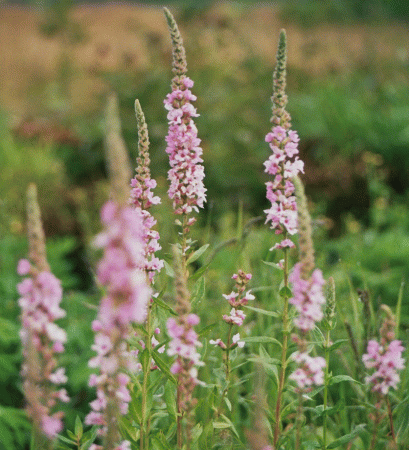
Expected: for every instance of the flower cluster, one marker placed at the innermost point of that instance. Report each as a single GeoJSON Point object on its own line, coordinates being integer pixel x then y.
{"type": "Point", "coordinates": [183, 146]}
{"type": "Point", "coordinates": [142, 197]}
{"type": "Point", "coordinates": [237, 299]}
{"type": "Point", "coordinates": [386, 361]}
{"type": "Point", "coordinates": [385, 357]}
{"type": "Point", "coordinates": [40, 299]}
{"type": "Point", "coordinates": [309, 372]}
{"type": "Point", "coordinates": [308, 297]}
{"type": "Point", "coordinates": [126, 299]}
{"type": "Point", "coordinates": [183, 344]}
{"type": "Point", "coordinates": [283, 211]}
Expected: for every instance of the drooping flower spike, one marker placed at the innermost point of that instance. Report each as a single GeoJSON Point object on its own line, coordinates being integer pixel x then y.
{"type": "Point", "coordinates": [42, 338]}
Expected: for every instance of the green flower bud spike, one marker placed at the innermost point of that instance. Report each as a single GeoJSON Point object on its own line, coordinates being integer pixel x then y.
{"type": "Point", "coordinates": [280, 115]}
{"type": "Point", "coordinates": [304, 231]}
{"type": "Point", "coordinates": [117, 154]}
{"type": "Point", "coordinates": [178, 50]}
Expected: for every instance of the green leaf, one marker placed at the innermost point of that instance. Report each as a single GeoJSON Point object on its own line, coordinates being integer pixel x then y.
{"type": "Point", "coordinates": [347, 438]}
{"type": "Point", "coordinates": [163, 367]}
{"type": "Point", "coordinates": [197, 254]}
{"type": "Point", "coordinates": [198, 291]}
{"type": "Point", "coordinates": [261, 340]}
{"type": "Point", "coordinates": [285, 292]}
{"type": "Point", "coordinates": [337, 344]}
{"type": "Point", "coordinates": [221, 425]}
{"type": "Point", "coordinates": [200, 272]}
{"type": "Point", "coordinates": [144, 359]}
{"type": "Point", "coordinates": [170, 400]}
{"type": "Point", "coordinates": [169, 269]}
{"type": "Point", "coordinates": [207, 329]}
{"type": "Point", "coordinates": [164, 306]}
{"type": "Point", "coordinates": [78, 430]}
{"type": "Point", "coordinates": [338, 378]}
{"type": "Point", "coordinates": [271, 264]}
{"type": "Point", "coordinates": [263, 311]}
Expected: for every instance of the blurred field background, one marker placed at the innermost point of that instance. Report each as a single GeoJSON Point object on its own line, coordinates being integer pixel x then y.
{"type": "Point", "coordinates": [348, 88]}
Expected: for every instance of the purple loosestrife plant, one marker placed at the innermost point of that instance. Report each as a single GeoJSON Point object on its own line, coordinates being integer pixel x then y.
{"type": "Point", "coordinates": [122, 272]}
{"type": "Point", "coordinates": [385, 357]}
{"type": "Point", "coordinates": [183, 146]}
{"type": "Point", "coordinates": [307, 298]}
{"type": "Point", "coordinates": [283, 165]}
{"type": "Point", "coordinates": [41, 337]}
{"type": "Point", "coordinates": [183, 345]}
{"type": "Point", "coordinates": [142, 198]}
{"type": "Point", "coordinates": [237, 299]}
{"type": "Point", "coordinates": [188, 194]}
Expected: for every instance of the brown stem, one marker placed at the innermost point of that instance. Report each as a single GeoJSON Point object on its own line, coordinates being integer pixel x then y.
{"type": "Point", "coordinates": [391, 419]}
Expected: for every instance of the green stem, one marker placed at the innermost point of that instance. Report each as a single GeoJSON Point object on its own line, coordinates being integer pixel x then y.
{"type": "Point", "coordinates": [179, 429]}
{"type": "Point", "coordinates": [299, 413]}
{"type": "Point", "coordinates": [391, 419]}
{"type": "Point", "coordinates": [375, 431]}
{"type": "Point", "coordinates": [227, 370]}
{"type": "Point", "coordinates": [144, 423]}
{"type": "Point", "coordinates": [326, 379]}
{"type": "Point", "coordinates": [283, 352]}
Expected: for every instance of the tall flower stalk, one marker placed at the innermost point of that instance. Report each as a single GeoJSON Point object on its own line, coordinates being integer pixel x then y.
{"type": "Point", "coordinates": [188, 194]}
{"type": "Point", "coordinates": [121, 272]}
{"type": "Point", "coordinates": [142, 198]}
{"type": "Point", "coordinates": [329, 324]}
{"type": "Point", "coordinates": [386, 358]}
{"type": "Point", "coordinates": [237, 299]}
{"type": "Point", "coordinates": [183, 345]}
{"type": "Point", "coordinates": [41, 337]}
{"type": "Point", "coordinates": [283, 165]}
{"type": "Point", "coordinates": [307, 298]}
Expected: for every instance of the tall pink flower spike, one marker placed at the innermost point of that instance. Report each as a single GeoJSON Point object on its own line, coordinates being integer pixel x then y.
{"type": "Point", "coordinates": [122, 272]}
{"type": "Point", "coordinates": [42, 338]}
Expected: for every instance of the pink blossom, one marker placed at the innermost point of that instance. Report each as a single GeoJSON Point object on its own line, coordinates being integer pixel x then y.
{"type": "Point", "coordinates": [236, 317]}
{"type": "Point", "coordinates": [185, 154]}
{"type": "Point", "coordinates": [283, 211]}
{"type": "Point", "coordinates": [23, 267]}
{"type": "Point", "coordinates": [121, 271]}
{"type": "Point", "coordinates": [51, 426]}
{"type": "Point", "coordinates": [41, 295]}
{"type": "Point", "coordinates": [236, 340]}
{"type": "Point", "coordinates": [386, 360]}
{"type": "Point", "coordinates": [309, 372]}
{"type": "Point", "coordinates": [307, 298]}
{"type": "Point", "coordinates": [183, 344]}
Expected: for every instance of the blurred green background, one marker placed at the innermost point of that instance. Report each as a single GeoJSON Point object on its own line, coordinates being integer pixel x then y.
{"type": "Point", "coordinates": [348, 89]}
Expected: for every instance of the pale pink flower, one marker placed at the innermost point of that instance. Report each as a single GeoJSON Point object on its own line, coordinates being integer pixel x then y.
{"type": "Point", "coordinates": [386, 360]}
{"type": "Point", "coordinates": [307, 298]}
{"type": "Point", "coordinates": [121, 271]}
{"type": "Point", "coordinates": [185, 154]}
{"type": "Point", "coordinates": [283, 211]}
{"type": "Point", "coordinates": [310, 371]}
{"type": "Point", "coordinates": [41, 295]}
